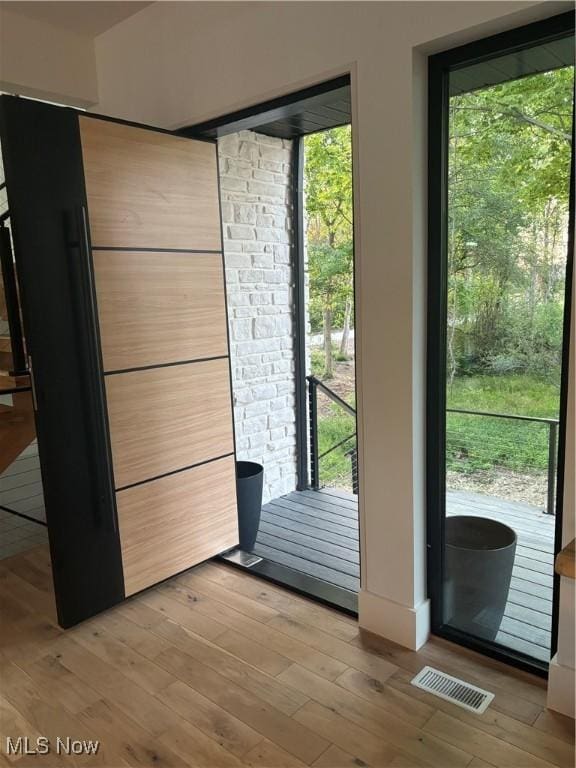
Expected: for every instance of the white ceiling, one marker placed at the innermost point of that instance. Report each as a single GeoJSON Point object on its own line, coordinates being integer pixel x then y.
{"type": "Point", "coordinates": [81, 16]}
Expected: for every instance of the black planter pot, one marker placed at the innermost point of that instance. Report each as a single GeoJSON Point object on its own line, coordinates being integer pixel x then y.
{"type": "Point", "coordinates": [249, 480]}
{"type": "Point", "coordinates": [479, 559]}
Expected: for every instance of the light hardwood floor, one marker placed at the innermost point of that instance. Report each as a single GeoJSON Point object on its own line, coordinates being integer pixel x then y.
{"type": "Point", "coordinates": [216, 668]}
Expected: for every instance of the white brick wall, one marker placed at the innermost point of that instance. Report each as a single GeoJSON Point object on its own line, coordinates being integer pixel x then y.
{"type": "Point", "coordinates": [256, 212]}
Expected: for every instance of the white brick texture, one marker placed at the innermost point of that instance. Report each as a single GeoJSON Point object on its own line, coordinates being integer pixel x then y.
{"type": "Point", "coordinates": [257, 224]}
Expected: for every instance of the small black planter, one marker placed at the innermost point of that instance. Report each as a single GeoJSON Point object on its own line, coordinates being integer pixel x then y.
{"type": "Point", "coordinates": [478, 568]}
{"type": "Point", "coordinates": [249, 479]}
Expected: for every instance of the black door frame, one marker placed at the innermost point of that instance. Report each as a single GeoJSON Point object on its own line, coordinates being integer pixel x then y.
{"type": "Point", "coordinates": [440, 66]}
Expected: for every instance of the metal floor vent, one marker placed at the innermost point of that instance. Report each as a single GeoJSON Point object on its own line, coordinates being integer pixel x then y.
{"type": "Point", "coordinates": [450, 688]}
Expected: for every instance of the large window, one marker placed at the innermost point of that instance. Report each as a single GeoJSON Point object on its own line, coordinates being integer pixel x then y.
{"type": "Point", "coordinates": [500, 208]}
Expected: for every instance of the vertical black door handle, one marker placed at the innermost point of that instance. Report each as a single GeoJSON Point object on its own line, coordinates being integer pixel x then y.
{"type": "Point", "coordinates": [91, 369]}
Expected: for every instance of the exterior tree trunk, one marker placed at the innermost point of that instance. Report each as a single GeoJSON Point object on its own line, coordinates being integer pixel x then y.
{"type": "Point", "coordinates": [328, 362]}
{"type": "Point", "coordinates": [346, 330]}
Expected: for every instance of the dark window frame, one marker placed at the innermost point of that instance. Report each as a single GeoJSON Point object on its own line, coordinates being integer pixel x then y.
{"type": "Point", "coordinates": [440, 66]}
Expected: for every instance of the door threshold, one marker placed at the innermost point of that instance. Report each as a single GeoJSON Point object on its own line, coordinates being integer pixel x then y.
{"type": "Point", "coordinates": [308, 586]}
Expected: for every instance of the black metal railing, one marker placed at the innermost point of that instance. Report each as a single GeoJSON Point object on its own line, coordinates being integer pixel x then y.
{"type": "Point", "coordinates": [533, 446]}
{"type": "Point", "coordinates": [348, 441]}
{"type": "Point", "coordinates": [530, 443]}
{"type": "Point", "coordinates": [9, 284]}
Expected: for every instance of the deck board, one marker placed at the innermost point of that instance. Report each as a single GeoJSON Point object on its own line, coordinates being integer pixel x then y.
{"type": "Point", "coordinates": [316, 532]}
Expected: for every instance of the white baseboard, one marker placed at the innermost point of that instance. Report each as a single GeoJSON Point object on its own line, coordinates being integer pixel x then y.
{"type": "Point", "coordinates": [409, 627]}
{"type": "Point", "coordinates": [561, 686]}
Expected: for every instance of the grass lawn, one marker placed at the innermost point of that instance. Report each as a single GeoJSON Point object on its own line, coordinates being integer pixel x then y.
{"type": "Point", "coordinates": [483, 443]}
{"type": "Point", "coordinates": [517, 395]}
{"type": "Point", "coordinates": [473, 442]}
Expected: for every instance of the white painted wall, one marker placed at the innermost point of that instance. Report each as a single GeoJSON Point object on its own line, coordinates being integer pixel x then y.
{"type": "Point", "coordinates": [46, 62]}
{"type": "Point", "coordinates": [180, 63]}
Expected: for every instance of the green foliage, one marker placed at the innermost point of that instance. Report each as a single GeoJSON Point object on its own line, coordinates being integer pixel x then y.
{"type": "Point", "coordinates": [329, 270]}
{"type": "Point", "coordinates": [483, 443]}
{"type": "Point", "coordinates": [328, 192]}
{"type": "Point", "coordinates": [335, 468]}
{"type": "Point", "coordinates": [517, 395]}
{"type": "Point", "coordinates": [328, 184]}
{"type": "Point", "coordinates": [317, 362]}
{"type": "Point", "coordinates": [509, 165]}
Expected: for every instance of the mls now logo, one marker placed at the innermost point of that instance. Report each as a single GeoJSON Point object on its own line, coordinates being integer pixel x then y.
{"type": "Point", "coordinates": [23, 745]}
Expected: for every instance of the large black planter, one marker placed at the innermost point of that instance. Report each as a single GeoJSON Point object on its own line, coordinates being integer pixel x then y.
{"type": "Point", "coordinates": [249, 479]}
{"type": "Point", "coordinates": [479, 558]}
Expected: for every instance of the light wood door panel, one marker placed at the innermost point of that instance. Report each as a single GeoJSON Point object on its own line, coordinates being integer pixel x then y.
{"type": "Point", "coordinates": [148, 189]}
{"type": "Point", "coordinates": [157, 308]}
{"type": "Point", "coordinates": [164, 419]}
{"type": "Point", "coordinates": [175, 522]}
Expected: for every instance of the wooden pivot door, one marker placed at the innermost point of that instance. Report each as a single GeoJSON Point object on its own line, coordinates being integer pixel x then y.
{"type": "Point", "coordinates": [118, 245]}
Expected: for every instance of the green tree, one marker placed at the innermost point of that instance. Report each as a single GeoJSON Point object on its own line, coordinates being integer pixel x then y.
{"type": "Point", "coordinates": [328, 190]}
{"type": "Point", "coordinates": [329, 269]}
{"type": "Point", "coordinates": [509, 167]}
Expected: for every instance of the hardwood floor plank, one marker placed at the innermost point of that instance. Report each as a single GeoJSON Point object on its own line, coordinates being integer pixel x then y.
{"type": "Point", "coordinates": [352, 738]}
{"type": "Point", "coordinates": [507, 728]}
{"type": "Point", "coordinates": [216, 669]}
{"type": "Point", "coordinates": [120, 656]}
{"type": "Point", "coordinates": [269, 755]}
{"type": "Point", "coordinates": [307, 611]}
{"type": "Point", "coordinates": [480, 744]}
{"type": "Point", "coordinates": [202, 625]}
{"type": "Point", "coordinates": [136, 637]}
{"type": "Point", "coordinates": [58, 684]}
{"type": "Point", "coordinates": [335, 757]}
{"type": "Point", "coordinates": [557, 725]}
{"type": "Point", "coordinates": [519, 683]}
{"type": "Point", "coordinates": [193, 745]}
{"type": "Point", "coordinates": [52, 722]}
{"type": "Point", "coordinates": [254, 712]}
{"type": "Point", "coordinates": [133, 744]}
{"type": "Point", "coordinates": [252, 653]}
{"type": "Point", "coordinates": [225, 729]}
{"type": "Point", "coordinates": [250, 608]}
{"type": "Point", "coordinates": [406, 707]}
{"type": "Point", "coordinates": [113, 685]}
{"type": "Point", "coordinates": [260, 685]}
{"type": "Point", "coordinates": [402, 734]}
{"type": "Point", "coordinates": [14, 724]}
{"type": "Point", "coordinates": [506, 700]}
{"type": "Point", "coordinates": [345, 652]}
{"type": "Point", "coordinates": [296, 651]}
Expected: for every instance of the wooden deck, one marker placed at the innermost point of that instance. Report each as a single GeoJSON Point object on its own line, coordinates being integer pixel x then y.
{"type": "Point", "coordinates": [316, 533]}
